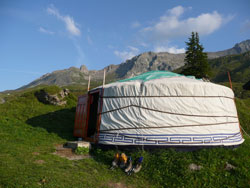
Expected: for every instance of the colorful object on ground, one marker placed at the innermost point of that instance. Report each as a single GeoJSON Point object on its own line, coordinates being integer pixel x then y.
{"type": "Point", "coordinates": [137, 167]}
{"type": "Point", "coordinates": [129, 165]}
{"type": "Point", "coordinates": [115, 162]}
{"type": "Point", "coordinates": [123, 160]}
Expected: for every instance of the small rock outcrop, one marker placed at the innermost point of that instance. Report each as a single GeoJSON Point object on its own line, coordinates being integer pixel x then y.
{"type": "Point", "coordinates": [194, 167]}
{"type": "Point", "coordinates": [229, 167]}
{"type": "Point", "coordinates": [55, 99]}
{"type": "Point", "coordinates": [84, 69]}
{"type": "Point", "coordinates": [2, 101]}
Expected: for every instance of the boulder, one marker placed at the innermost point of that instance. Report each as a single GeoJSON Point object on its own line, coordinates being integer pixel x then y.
{"type": "Point", "coordinates": [55, 99]}
{"type": "Point", "coordinates": [2, 101]}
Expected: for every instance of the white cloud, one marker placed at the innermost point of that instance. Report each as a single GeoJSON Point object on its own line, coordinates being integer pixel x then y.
{"type": "Point", "coordinates": [69, 22]}
{"type": "Point", "coordinates": [127, 54]}
{"type": "Point", "coordinates": [46, 31]}
{"type": "Point", "coordinates": [133, 49]}
{"type": "Point", "coordinates": [176, 11]}
{"type": "Point", "coordinates": [135, 24]}
{"type": "Point", "coordinates": [143, 44]}
{"type": "Point", "coordinates": [170, 25]}
{"type": "Point", "coordinates": [172, 50]}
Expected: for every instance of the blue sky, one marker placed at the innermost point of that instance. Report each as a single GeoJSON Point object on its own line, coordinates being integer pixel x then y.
{"type": "Point", "coordinates": [38, 37]}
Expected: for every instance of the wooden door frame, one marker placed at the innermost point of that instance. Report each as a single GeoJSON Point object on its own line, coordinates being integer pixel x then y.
{"type": "Point", "coordinates": [99, 109]}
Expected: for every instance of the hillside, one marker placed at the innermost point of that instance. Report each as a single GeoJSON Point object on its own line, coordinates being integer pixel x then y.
{"type": "Point", "coordinates": [30, 131]}
{"type": "Point", "coordinates": [238, 65]}
{"type": "Point", "coordinates": [139, 64]}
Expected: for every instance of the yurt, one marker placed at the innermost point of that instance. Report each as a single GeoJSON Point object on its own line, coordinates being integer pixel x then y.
{"type": "Point", "coordinates": [159, 108]}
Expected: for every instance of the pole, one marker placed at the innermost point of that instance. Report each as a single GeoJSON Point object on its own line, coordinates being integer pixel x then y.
{"type": "Point", "coordinates": [89, 83]}
{"type": "Point", "coordinates": [104, 72]}
{"type": "Point", "coordinates": [229, 78]}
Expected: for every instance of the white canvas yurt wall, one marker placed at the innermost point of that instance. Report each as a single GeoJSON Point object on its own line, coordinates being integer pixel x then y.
{"type": "Point", "coordinates": [164, 108]}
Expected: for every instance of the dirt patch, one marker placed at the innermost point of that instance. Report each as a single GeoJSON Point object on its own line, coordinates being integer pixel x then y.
{"type": "Point", "coordinates": [39, 161]}
{"type": "Point", "coordinates": [35, 153]}
{"type": "Point", "coordinates": [117, 185]}
{"type": "Point", "coordinates": [68, 153]}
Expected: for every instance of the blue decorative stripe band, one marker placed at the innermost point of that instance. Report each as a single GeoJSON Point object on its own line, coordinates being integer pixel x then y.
{"type": "Point", "coordinates": [169, 139]}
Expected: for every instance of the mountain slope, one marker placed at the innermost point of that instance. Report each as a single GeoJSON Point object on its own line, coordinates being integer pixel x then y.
{"type": "Point", "coordinates": [139, 64]}
{"type": "Point", "coordinates": [238, 48]}
{"type": "Point", "coordinates": [149, 61]}
{"type": "Point", "coordinates": [238, 65]}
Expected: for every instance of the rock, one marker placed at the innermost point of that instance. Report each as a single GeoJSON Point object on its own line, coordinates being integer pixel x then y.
{"type": "Point", "coordinates": [64, 93]}
{"type": "Point", "coordinates": [84, 69]}
{"type": "Point", "coordinates": [229, 167]}
{"type": "Point", "coordinates": [76, 144]}
{"type": "Point", "coordinates": [194, 167]}
{"type": "Point", "coordinates": [56, 99]}
{"type": "Point", "coordinates": [2, 101]}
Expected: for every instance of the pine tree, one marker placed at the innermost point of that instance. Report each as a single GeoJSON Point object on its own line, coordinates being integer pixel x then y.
{"type": "Point", "coordinates": [196, 60]}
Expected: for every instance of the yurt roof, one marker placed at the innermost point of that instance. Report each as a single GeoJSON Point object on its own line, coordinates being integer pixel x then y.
{"type": "Point", "coordinates": [165, 83]}
{"type": "Point", "coordinates": [155, 75]}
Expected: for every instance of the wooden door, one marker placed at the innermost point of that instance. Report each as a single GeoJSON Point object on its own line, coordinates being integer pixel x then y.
{"type": "Point", "coordinates": [81, 116]}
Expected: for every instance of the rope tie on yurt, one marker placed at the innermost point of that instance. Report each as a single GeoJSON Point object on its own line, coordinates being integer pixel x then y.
{"type": "Point", "coordinates": [244, 131]}
{"type": "Point", "coordinates": [162, 127]}
{"type": "Point", "coordinates": [170, 96]}
{"type": "Point", "coordinates": [172, 113]}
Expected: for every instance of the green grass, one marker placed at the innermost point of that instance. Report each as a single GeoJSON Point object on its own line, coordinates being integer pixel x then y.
{"type": "Point", "coordinates": [243, 107]}
{"type": "Point", "coordinates": [29, 131]}
{"type": "Point", "coordinates": [169, 168]}
{"type": "Point", "coordinates": [81, 151]}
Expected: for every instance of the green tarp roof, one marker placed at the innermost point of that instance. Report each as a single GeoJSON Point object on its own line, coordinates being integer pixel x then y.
{"type": "Point", "coordinates": [154, 75]}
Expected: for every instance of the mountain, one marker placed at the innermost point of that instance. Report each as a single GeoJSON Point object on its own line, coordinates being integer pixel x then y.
{"type": "Point", "coordinates": [139, 64]}
{"type": "Point", "coordinates": [238, 48]}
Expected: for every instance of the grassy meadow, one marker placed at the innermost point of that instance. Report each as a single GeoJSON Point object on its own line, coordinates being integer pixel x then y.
{"type": "Point", "coordinates": [30, 130]}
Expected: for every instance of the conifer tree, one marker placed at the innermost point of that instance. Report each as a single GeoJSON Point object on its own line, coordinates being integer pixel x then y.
{"type": "Point", "coordinates": [196, 60]}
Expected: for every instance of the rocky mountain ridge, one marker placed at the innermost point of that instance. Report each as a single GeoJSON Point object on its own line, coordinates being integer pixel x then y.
{"type": "Point", "coordinates": [141, 63]}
